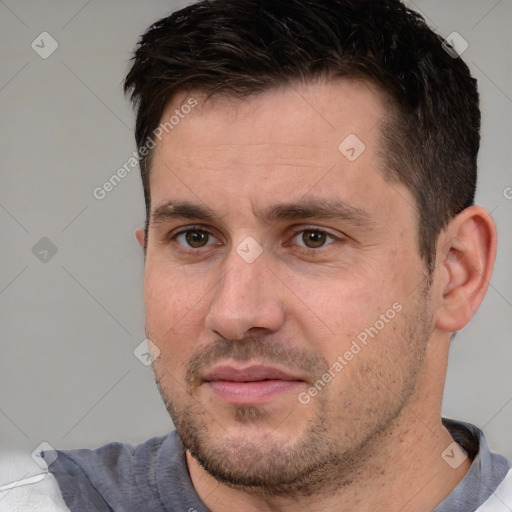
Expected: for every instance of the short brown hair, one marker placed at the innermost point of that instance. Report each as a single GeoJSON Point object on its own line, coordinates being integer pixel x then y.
{"type": "Point", "coordinates": [243, 47]}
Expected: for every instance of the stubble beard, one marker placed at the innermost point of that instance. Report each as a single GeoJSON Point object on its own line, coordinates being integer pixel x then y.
{"type": "Point", "coordinates": [321, 459]}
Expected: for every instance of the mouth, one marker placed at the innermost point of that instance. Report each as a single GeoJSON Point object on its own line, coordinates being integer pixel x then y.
{"type": "Point", "coordinates": [250, 385]}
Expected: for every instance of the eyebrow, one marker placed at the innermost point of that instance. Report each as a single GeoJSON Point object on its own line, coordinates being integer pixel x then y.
{"type": "Point", "coordinates": [181, 210]}
{"type": "Point", "coordinates": [322, 209]}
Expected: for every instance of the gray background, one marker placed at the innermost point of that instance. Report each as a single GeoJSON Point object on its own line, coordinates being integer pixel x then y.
{"type": "Point", "coordinates": [70, 323]}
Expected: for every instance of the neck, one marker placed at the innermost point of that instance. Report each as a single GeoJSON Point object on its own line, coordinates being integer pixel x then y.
{"type": "Point", "coordinates": [406, 474]}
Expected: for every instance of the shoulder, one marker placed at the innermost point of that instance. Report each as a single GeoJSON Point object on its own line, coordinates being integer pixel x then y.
{"type": "Point", "coordinates": [115, 475]}
{"type": "Point", "coordinates": [501, 498]}
{"type": "Point", "coordinates": [487, 486]}
{"type": "Point", "coordinates": [114, 460]}
{"type": "Point", "coordinates": [25, 486]}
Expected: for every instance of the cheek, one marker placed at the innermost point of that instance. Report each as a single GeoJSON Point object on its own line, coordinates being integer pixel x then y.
{"type": "Point", "coordinates": [352, 317]}
{"type": "Point", "coordinates": [162, 304]}
{"type": "Point", "coordinates": [341, 305]}
{"type": "Point", "coordinates": [170, 295]}
{"type": "Point", "coordinates": [175, 312]}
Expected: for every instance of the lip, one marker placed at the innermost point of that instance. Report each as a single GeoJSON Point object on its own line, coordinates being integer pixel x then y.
{"type": "Point", "coordinates": [250, 385]}
{"type": "Point", "coordinates": [252, 373]}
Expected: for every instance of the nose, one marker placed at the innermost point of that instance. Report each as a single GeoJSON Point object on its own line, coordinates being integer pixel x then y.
{"type": "Point", "coordinates": [247, 298]}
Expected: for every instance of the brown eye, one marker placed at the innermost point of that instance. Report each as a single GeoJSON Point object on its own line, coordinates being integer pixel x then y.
{"type": "Point", "coordinates": [194, 238]}
{"type": "Point", "coordinates": [313, 238]}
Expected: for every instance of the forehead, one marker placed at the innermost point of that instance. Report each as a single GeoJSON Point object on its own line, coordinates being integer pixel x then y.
{"type": "Point", "coordinates": [297, 114]}
{"type": "Point", "coordinates": [320, 139]}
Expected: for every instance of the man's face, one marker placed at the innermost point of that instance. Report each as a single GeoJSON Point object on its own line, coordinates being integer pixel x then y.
{"type": "Point", "coordinates": [283, 285]}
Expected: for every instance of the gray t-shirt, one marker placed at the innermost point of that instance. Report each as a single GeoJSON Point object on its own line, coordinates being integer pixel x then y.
{"type": "Point", "coordinates": [153, 476]}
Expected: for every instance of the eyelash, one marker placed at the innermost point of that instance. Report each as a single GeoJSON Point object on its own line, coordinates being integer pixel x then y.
{"type": "Point", "coordinates": [172, 237]}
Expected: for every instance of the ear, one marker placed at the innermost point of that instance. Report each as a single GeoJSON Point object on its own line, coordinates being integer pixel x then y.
{"type": "Point", "coordinates": [141, 238]}
{"type": "Point", "coordinates": [466, 253]}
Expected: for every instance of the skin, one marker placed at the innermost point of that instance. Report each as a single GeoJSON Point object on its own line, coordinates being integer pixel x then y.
{"type": "Point", "coordinates": [371, 438]}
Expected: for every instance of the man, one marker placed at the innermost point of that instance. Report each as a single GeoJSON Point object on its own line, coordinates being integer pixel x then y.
{"type": "Point", "coordinates": [311, 245]}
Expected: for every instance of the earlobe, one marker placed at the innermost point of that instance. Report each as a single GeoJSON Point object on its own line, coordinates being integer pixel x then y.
{"type": "Point", "coordinates": [467, 250]}
{"type": "Point", "coordinates": [140, 236]}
